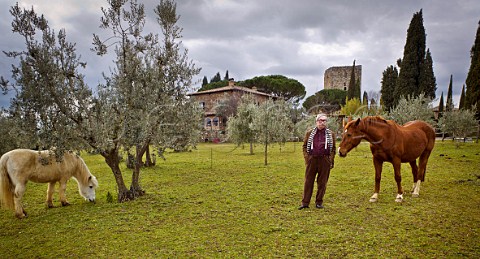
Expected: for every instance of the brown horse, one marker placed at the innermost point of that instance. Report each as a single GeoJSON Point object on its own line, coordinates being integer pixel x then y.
{"type": "Point", "coordinates": [390, 142]}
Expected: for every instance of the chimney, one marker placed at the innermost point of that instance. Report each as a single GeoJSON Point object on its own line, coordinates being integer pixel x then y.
{"type": "Point", "coordinates": [254, 88]}
{"type": "Point", "coordinates": [231, 82]}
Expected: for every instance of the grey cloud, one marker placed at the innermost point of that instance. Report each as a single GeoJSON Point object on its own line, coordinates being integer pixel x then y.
{"type": "Point", "coordinates": [299, 39]}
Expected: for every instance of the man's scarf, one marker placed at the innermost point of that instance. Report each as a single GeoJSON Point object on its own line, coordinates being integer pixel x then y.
{"type": "Point", "coordinates": [328, 138]}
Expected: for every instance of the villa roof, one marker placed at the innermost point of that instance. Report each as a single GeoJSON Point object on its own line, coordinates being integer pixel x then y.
{"type": "Point", "coordinates": [232, 88]}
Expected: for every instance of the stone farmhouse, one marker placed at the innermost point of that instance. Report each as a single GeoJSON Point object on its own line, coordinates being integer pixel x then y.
{"type": "Point", "coordinates": [339, 77]}
{"type": "Point", "coordinates": [214, 124]}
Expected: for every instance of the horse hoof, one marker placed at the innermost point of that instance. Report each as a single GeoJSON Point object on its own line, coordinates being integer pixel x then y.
{"type": "Point", "coordinates": [398, 200]}
{"type": "Point", "coordinates": [373, 200]}
{"type": "Point", "coordinates": [21, 216]}
{"type": "Point", "coordinates": [64, 203]}
{"type": "Point", "coordinates": [415, 195]}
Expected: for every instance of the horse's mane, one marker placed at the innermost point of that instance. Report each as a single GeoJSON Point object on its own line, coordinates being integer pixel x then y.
{"type": "Point", "coordinates": [82, 167]}
{"type": "Point", "coordinates": [376, 118]}
{"type": "Point", "coordinates": [368, 121]}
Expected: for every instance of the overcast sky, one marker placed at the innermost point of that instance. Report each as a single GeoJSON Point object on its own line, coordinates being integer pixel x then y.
{"type": "Point", "coordinates": [298, 39]}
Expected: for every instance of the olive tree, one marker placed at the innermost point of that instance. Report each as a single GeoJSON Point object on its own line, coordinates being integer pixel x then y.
{"type": "Point", "coordinates": [459, 123]}
{"type": "Point", "coordinates": [303, 126]}
{"type": "Point", "coordinates": [266, 123]}
{"type": "Point", "coordinates": [240, 127]}
{"type": "Point", "coordinates": [143, 101]}
{"type": "Point", "coordinates": [409, 109]}
{"type": "Point", "coordinates": [51, 101]}
{"type": "Point", "coordinates": [150, 81]}
{"type": "Point", "coordinates": [8, 130]}
{"type": "Point", "coordinates": [272, 123]}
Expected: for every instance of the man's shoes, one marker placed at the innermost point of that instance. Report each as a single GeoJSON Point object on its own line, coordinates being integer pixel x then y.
{"type": "Point", "coordinates": [303, 207]}
{"type": "Point", "coordinates": [319, 206]}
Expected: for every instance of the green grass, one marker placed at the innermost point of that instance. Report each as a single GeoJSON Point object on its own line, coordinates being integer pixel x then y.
{"type": "Point", "coordinates": [218, 201]}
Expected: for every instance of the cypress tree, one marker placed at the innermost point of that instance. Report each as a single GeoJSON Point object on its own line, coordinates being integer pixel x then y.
{"type": "Point", "coordinates": [440, 106]}
{"type": "Point", "coordinates": [408, 83]}
{"type": "Point", "coordinates": [461, 105]}
{"type": "Point", "coordinates": [216, 78]}
{"type": "Point", "coordinates": [389, 81]}
{"type": "Point", "coordinates": [351, 86]}
{"type": "Point", "coordinates": [472, 94]}
{"type": "Point", "coordinates": [449, 105]}
{"type": "Point", "coordinates": [205, 81]}
{"type": "Point", "coordinates": [365, 98]}
{"type": "Point", "coordinates": [358, 92]}
{"type": "Point", "coordinates": [428, 84]}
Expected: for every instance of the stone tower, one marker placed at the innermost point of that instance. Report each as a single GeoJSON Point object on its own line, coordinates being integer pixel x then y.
{"type": "Point", "coordinates": [339, 77]}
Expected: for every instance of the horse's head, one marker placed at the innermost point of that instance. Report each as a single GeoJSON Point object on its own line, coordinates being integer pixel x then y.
{"type": "Point", "coordinates": [88, 190]}
{"type": "Point", "coordinates": [351, 137]}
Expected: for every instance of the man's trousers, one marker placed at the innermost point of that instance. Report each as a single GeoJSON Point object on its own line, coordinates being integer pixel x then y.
{"type": "Point", "coordinates": [316, 166]}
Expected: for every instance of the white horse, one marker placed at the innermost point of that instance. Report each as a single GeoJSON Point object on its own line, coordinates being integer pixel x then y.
{"type": "Point", "coordinates": [19, 166]}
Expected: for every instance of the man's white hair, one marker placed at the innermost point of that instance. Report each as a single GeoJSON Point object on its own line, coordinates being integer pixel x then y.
{"type": "Point", "coordinates": [320, 116]}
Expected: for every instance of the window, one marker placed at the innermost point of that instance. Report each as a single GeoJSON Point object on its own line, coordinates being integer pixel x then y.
{"type": "Point", "coordinates": [215, 121]}
{"type": "Point", "coordinates": [202, 105]}
{"type": "Point", "coordinates": [208, 122]}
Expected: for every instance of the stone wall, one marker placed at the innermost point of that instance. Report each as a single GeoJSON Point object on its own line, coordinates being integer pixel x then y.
{"type": "Point", "coordinates": [339, 77]}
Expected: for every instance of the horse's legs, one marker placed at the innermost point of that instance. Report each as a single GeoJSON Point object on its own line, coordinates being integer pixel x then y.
{"type": "Point", "coordinates": [398, 178]}
{"type": "Point", "coordinates": [50, 191]}
{"type": "Point", "coordinates": [63, 197]}
{"type": "Point", "coordinates": [421, 171]}
{"type": "Point", "coordinates": [414, 167]}
{"type": "Point", "coordinates": [422, 164]}
{"type": "Point", "coordinates": [378, 164]}
{"type": "Point", "coordinates": [19, 191]}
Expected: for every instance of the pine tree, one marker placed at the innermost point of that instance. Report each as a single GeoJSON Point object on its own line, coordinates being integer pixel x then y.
{"type": "Point", "coordinates": [428, 84]}
{"type": "Point", "coordinates": [461, 105]}
{"type": "Point", "coordinates": [440, 106]}
{"type": "Point", "coordinates": [389, 81]}
{"type": "Point", "coordinates": [473, 78]}
{"type": "Point", "coordinates": [408, 83]}
{"type": "Point", "coordinates": [226, 78]}
{"type": "Point", "coordinates": [449, 105]}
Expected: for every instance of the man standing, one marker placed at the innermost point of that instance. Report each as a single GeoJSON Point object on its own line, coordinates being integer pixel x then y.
{"type": "Point", "coordinates": [319, 154]}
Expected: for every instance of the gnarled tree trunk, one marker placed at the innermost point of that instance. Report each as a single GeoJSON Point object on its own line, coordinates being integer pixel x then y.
{"type": "Point", "coordinates": [113, 160]}
{"type": "Point", "coordinates": [135, 187]}
{"type": "Point", "coordinates": [148, 158]}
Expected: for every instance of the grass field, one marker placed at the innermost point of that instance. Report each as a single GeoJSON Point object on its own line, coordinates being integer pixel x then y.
{"type": "Point", "coordinates": [219, 201]}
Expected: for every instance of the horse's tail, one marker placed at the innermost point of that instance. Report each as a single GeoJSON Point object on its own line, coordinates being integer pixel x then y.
{"type": "Point", "coordinates": [6, 186]}
{"type": "Point", "coordinates": [430, 133]}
